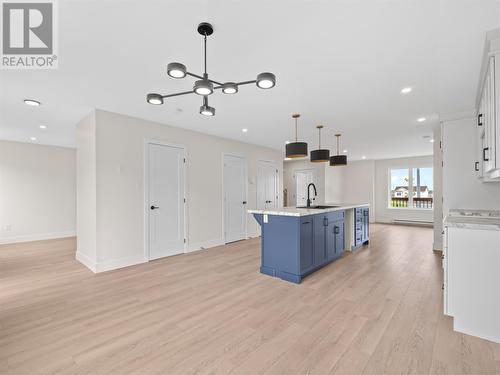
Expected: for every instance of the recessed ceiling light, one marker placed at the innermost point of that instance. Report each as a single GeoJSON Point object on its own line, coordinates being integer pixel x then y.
{"type": "Point", "coordinates": [363, 157]}
{"type": "Point", "coordinates": [431, 140]}
{"type": "Point", "coordinates": [34, 103]}
{"type": "Point", "coordinates": [244, 130]}
{"type": "Point", "coordinates": [406, 90]}
{"type": "Point", "coordinates": [345, 151]}
{"type": "Point", "coordinates": [43, 126]}
{"type": "Point", "coordinates": [421, 119]}
{"type": "Point", "coordinates": [33, 138]}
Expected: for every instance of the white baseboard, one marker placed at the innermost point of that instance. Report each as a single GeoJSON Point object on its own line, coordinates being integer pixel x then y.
{"type": "Point", "coordinates": [86, 261]}
{"type": "Point", "coordinates": [37, 237]}
{"type": "Point", "coordinates": [109, 264]}
{"type": "Point", "coordinates": [120, 263]}
{"type": "Point", "coordinates": [204, 245]}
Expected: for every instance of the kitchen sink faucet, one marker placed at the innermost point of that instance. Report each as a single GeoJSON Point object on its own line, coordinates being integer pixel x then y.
{"type": "Point", "coordinates": [309, 201]}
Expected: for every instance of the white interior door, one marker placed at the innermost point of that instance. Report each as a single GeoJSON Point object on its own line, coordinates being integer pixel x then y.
{"type": "Point", "coordinates": [165, 200]}
{"type": "Point", "coordinates": [267, 185]}
{"type": "Point", "coordinates": [235, 198]}
{"type": "Point", "coordinates": [302, 179]}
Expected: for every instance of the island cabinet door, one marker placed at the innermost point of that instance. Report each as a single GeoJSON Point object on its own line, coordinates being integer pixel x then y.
{"type": "Point", "coordinates": [320, 226]}
{"type": "Point", "coordinates": [330, 240]}
{"type": "Point", "coordinates": [338, 230]}
{"type": "Point", "coordinates": [306, 244]}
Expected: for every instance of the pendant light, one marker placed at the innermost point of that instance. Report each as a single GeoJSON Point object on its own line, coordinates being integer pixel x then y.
{"type": "Point", "coordinates": [338, 160]}
{"type": "Point", "coordinates": [320, 155]}
{"type": "Point", "coordinates": [296, 149]}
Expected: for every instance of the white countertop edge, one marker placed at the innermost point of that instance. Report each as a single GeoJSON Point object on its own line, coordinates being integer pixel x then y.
{"type": "Point", "coordinates": [297, 212]}
{"type": "Point", "coordinates": [472, 222]}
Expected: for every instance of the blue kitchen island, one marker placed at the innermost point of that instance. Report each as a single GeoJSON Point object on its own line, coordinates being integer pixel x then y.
{"type": "Point", "coordinates": [298, 241]}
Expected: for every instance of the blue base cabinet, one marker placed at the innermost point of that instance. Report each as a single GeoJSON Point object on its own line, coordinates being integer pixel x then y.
{"type": "Point", "coordinates": [361, 226]}
{"type": "Point", "coordinates": [294, 247]}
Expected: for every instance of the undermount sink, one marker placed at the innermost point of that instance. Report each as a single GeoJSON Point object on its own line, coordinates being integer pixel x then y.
{"type": "Point", "coordinates": [318, 207]}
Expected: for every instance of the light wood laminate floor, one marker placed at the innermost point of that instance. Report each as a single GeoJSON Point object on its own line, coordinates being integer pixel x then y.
{"type": "Point", "coordinates": [376, 311]}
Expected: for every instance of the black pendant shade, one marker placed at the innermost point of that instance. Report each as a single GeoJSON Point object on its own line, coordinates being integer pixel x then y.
{"type": "Point", "coordinates": [296, 149]}
{"type": "Point", "coordinates": [338, 160]}
{"type": "Point", "coordinates": [320, 155]}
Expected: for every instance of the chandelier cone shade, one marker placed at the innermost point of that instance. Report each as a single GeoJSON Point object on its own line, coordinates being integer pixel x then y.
{"type": "Point", "coordinates": [205, 85]}
{"type": "Point", "coordinates": [320, 155]}
{"type": "Point", "coordinates": [338, 160]}
{"type": "Point", "coordinates": [296, 149]}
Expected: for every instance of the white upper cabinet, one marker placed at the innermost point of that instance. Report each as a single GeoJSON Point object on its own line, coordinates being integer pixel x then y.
{"type": "Point", "coordinates": [488, 111]}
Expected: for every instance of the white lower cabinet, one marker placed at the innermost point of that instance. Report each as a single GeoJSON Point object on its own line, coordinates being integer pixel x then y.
{"type": "Point", "coordinates": [471, 261]}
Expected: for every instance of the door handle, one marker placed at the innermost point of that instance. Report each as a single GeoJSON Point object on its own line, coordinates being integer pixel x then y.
{"type": "Point", "coordinates": [154, 207]}
{"type": "Point", "coordinates": [484, 153]}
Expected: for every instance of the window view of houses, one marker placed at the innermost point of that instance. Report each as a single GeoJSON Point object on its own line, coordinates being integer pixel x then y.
{"type": "Point", "coordinates": [411, 187]}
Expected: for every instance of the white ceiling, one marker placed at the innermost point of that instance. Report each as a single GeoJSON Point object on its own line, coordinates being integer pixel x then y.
{"type": "Point", "coordinates": [338, 63]}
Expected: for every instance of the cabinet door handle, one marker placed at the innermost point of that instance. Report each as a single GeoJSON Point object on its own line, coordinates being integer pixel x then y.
{"type": "Point", "coordinates": [480, 119]}
{"type": "Point", "coordinates": [484, 154]}
{"type": "Point", "coordinates": [325, 221]}
{"type": "Point", "coordinates": [476, 166]}
{"type": "Point", "coordinates": [336, 229]}
{"type": "Point", "coordinates": [244, 202]}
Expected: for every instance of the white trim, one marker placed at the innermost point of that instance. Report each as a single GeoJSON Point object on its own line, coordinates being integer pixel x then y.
{"type": "Point", "coordinates": [205, 245]}
{"type": "Point", "coordinates": [113, 264]}
{"type": "Point", "coordinates": [86, 261]}
{"type": "Point", "coordinates": [37, 237]}
{"type": "Point", "coordinates": [224, 154]}
{"type": "Point", "coordinates": [147, 142]}
{"type": "Point", "coordinates": [109, 265]}
{"type": "Point", "coordinates": [278, 190]}
{"type": "Point", "coordinates": [314, 174]}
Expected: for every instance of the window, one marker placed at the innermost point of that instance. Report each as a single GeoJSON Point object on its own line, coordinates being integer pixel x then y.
{"type": "Point", "coordinates": [411, 188]}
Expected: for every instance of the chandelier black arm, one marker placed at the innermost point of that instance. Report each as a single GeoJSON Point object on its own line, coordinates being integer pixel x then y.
{"type": "Point", "coordinates": [245, 82]}
{"type": "Point", "coordinates": [200, 77]}
{"type": "Point", "coordinates": [237, 84]}
{"type": "Point", "coordinates": [215, 88]}
{"type": "Point", "coordinates": [178, 94]}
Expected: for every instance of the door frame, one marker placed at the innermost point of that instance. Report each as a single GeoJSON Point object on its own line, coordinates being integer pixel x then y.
{"type": "Point", "coordinates": [147, 142]}
{"type": "Point", "coordinates": [224, 154]}
{"type": "Point", "coordinates": [295, 178]}
{"type": "Point", "coordinates": [278, 190]}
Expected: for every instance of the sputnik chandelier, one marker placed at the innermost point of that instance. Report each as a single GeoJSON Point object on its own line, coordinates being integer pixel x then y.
{"type": "Point", "coordinates": [205, 86]}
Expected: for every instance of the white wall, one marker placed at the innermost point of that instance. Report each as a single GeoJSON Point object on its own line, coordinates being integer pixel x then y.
{"type": "Point", "coordinates": [367, 181]}
{"type": "Point", "coordinates": [37, 192]}
{"type": "Point", "coordinates": [86, 191]}
{"type": "Point", "coordinates": [438, 191]}
{"type": "Point", "coordinates": [461, 187]}
{"type": "Point", "coordinates": [353, 183]}
{"type": "Point", "coordinates": [385, 214]}
{"type": "Point", "coordinates": [120, 185]}
{"type": "Point", "coordinates": [289, 169]}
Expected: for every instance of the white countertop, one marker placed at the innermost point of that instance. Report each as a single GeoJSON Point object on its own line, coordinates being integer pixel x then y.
{"type": "Point", "coordinates": [294, 211]}
{"type": "Point", "coordinates": [473, 219]}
